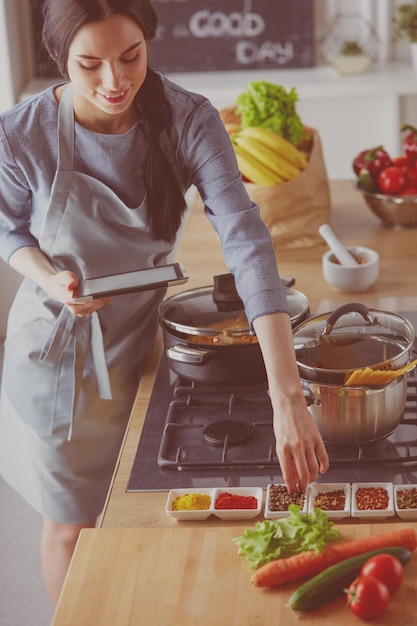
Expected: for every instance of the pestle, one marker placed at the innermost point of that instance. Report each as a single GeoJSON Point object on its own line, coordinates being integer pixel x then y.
{"type": "Point", "coordinates": [341, 253]}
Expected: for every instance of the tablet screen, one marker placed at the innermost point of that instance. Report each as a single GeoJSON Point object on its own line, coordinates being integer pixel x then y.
{"type": "Point", "coordinates": [129, 282]}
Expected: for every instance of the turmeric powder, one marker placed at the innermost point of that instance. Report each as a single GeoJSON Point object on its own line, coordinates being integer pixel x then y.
{"type": "Point", "coordinates": [191, 501]}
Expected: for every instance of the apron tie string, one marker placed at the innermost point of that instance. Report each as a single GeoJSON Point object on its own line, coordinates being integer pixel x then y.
{"type": "Point", "coordinates": [84, 331]}
{"type": "Point", "coordinates": [99, 358]}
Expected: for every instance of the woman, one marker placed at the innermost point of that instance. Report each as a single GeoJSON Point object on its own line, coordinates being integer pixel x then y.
{"type": "Point", "coordinates": [93, 174]}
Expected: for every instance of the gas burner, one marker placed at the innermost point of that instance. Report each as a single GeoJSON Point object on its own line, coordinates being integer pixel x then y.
{"type": "Point", "coordinates": [184, 441]}
{"type": "Point", "coordinates": [230, 432]}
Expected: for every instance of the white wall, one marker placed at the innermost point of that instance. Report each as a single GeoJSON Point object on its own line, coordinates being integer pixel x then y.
{"type": "Point", "coordinates": [6, 93]}
{"type": "Point", "coordinates": [16, 67]}
{"type": "Point", "coordinates": [348, 112]}
{"type": "Point", "coordinates": [15, 71]}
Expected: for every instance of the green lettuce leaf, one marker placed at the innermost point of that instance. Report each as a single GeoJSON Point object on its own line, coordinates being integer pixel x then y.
{"type": "Point", "coordinates": [271, 106]}
{"type": "Point", "coordinates": [276, 539]}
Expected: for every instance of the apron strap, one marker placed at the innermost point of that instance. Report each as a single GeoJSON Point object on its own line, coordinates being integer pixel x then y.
{"type": "Point", "coordinates": [66, 131]}
{"type": "Point", "coordinates": [99, 358]}
{"type": "Point", "coordinates": [86, 333]}
{"type": "Point", "coordinates": [83, 331]}
{"type": "Point", "coordinates": [82, 340]}
{"type": "Point", "coordinates": [59, 338]}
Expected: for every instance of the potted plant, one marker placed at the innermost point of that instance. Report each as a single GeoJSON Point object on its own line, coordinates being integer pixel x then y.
{"type": "Point", "coordinates": [405, 22]}
{"type": "Point", "coordinates": [350, 44]}
{"type": "Point", "coordinates": [405, 27]}
{"type": "Point", "coordinates": [351, 59]}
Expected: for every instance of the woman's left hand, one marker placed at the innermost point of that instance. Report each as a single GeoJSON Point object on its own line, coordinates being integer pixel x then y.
{"type": "Point", "coordinates": [300, 448]}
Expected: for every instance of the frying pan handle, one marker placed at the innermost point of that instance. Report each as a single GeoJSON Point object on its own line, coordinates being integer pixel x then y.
{"type": "Point", "coordinates": [350, 307]}
{"type": "Point", "coordinates": [184, 354]}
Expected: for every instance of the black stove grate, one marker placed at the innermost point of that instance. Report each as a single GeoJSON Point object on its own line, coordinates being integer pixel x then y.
{"type": "Point", "coordinates": [176, 408]}
{"type": "Point", "coordinates": [195, 409]}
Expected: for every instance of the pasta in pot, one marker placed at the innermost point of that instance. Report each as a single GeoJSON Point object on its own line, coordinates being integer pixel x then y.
{"type": "Point", "coordinates": [226, 326]}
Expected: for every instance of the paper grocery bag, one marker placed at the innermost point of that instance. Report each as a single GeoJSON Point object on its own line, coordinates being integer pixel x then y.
{"type": "Point", "coordinates": [293, 211]}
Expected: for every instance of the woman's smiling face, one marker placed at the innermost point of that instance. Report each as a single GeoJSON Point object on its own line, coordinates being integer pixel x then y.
{"type": "Point", "coordinates": [107, 65]}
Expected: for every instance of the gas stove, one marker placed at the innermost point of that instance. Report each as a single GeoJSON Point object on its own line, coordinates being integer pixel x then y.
{"type": "Point", "coordinates": [201, 436]}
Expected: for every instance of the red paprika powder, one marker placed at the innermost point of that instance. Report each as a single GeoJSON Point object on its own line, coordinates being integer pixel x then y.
{"type": "Point", "coordinates": [233, 501]}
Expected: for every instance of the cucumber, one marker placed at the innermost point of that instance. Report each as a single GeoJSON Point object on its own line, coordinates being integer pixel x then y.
{"type": "Point", "coordinates": [331, 582]}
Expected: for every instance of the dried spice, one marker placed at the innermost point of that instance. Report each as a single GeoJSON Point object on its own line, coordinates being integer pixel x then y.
{"type": "Point", "coordinates": [371, 498]}
{"type": "Point", "coordinates": [192, 502]}
{"type": "Point", "coordinates": [231, 501]}
{"type": "Point", "coordinates": [407, 498]}
{"type": "Point", "coordinates": [331, 500]}
{"type": "Point", "coordinates": [280, 499]}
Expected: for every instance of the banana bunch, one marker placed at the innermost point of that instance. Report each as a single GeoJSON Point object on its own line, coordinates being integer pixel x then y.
{"type": "Point", "coordinates": [266, 158]}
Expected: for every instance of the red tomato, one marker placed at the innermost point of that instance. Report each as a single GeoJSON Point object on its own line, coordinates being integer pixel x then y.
{"type": "Point", "coordinates": [409, 191]}
{"type": "Point", "coordinates": [392, 180]}
{"type": "Point", "coordinates": [367, 597]}
{"type": "Point", "coordinates": [411, 175]}
{"type": "Point", "coordinates": [401, 161]}
{"type": "Point", "coordinates": [386, 568]}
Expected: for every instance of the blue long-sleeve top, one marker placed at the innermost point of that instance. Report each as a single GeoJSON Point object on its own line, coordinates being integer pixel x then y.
{"type": "Point", "coordinates": [28, 161]}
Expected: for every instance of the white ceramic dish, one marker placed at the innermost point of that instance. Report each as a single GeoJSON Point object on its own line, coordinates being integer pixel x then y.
{"type": "Point", "coordinates": [196, 514]}
{"type": "Point", "coordinates": [373, 513]}
{"type": "Point", "coordinates": [319, 488]}
{"type": "Point", "coordinates": [203, 514]}
{"type": "Point", "coordinates": [255, 492]}
{"type": "Point", "coordinates": [271, 514]}
{"type": "Point", "coordinates": [353, 279]}
{"type": "Point", "coordinates": [410, 514]}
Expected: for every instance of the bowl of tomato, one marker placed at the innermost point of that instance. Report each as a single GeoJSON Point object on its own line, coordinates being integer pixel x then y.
{"type": "Point", "coordinates": [399, 211]}
{"type": "Point", "coordinates": [389, 185]}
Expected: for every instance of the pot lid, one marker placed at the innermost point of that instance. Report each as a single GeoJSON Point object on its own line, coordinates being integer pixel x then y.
{"type": "Point", "coordinates": [352, 337]}
{"type": "Point", "coordinates": [196, 312]}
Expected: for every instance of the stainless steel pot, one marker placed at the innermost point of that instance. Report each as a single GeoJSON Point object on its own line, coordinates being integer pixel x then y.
{"type": "Point", "coordinates": [187, 319]}
{"type": "Point", "coordinates": [356, 414]}
{"type": "Point", "coordinates": [329, 347]}
{"type": "Point", "coordinates": [332, 345]}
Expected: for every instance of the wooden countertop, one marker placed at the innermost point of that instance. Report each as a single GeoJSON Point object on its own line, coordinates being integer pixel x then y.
{"type": "Point", "coordinates": [138, 520]}
{"type": "Point", "coordinates": [192, 577]}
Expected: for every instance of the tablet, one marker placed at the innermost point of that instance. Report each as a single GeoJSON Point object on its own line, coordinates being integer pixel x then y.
{"type": "Point", "coordinates": [129, 282]}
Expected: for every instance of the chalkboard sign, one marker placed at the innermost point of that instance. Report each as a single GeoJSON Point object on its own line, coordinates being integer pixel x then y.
{"type": "Point", "coordinates": [204, 35]}
{"type": "Point", "coordinates": [198, 35]}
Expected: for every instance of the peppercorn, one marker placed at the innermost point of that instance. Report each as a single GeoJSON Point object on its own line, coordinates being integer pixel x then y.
{"type": "Point", "coordinates": [407, 498]}
{"type": "Point", "coordinates": [280, 498]}
{"type": "Point", "coordinates": [374, 498]}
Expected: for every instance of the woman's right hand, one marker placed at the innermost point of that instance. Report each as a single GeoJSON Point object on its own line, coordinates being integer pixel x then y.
{"type": "Point", "coordinates": [31, 262]}
{"type": "Point", "coordinates": [61, 287]}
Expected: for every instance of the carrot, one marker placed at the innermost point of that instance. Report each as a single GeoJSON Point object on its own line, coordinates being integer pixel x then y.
{"type": "Point", "coordinates": [309, 563]}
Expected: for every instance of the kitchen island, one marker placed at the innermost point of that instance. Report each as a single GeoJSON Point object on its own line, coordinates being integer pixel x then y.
{"type": "Point", "coordinates": [143, 567]}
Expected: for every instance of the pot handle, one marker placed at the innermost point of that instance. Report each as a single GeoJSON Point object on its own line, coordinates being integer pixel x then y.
{"type": "Point", "coordinates": [193, 356]}
{"type": "Point", "coordinates": [350, 307]}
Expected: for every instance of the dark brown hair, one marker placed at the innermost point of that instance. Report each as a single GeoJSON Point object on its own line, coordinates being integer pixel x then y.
{"type": "Point", "coordinates": [62, 20]}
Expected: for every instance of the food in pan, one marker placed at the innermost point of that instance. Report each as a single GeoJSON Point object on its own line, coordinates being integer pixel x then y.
{"type": "Point", "coordinates": [229, 333]}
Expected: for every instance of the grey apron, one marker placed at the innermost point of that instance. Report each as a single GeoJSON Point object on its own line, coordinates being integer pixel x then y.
{"type": "Point", "coordinates": [69, 382]}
